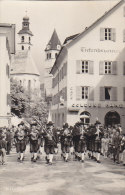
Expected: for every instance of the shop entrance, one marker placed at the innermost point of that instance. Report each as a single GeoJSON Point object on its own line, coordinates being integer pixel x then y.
{"type": "Point", "coordinates": [112, 118]}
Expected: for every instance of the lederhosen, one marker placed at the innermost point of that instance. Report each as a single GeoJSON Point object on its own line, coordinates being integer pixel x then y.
{"type": "Point", "coordinates": [34, 145]}
{"type": "Point", "coordinates": [49, 142]}
{"type": "Point", "coordinates": [76, 138]}
{"type": "Point", "coordinates": [98, 142]}
{"type": "Point", "coordinates": [82, 144]}
{"type": "Point", "coordinates": [66, 141]}
{"type": "Point", "coordinates": [20, 141]}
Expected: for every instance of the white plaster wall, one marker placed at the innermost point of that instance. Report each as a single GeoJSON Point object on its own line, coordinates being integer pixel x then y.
{"type": "Point", "coordinates": [92, 40]}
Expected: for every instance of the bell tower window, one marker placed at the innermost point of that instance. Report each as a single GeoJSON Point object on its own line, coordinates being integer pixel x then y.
{"type": "Point", "coordinates": [22, 47]}
{"type": "Point", "coordinates": [29, 39]}
{"type": "Point", "coordinates": [22, 39]}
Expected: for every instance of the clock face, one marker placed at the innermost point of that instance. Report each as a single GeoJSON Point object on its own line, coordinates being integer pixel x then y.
{"type": "Point", "coordinates": [58, 46]}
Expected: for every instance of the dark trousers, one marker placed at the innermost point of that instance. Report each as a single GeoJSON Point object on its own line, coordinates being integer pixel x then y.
{"type": "Point", "coordinates": [8, 147]}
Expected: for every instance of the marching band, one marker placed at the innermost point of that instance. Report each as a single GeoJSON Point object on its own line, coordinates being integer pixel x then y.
{"type": "Point", "coordinates": [80, 140]}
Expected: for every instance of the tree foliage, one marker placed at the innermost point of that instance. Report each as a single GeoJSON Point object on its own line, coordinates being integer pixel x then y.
{"type": "Point", "coordinates": [23, 105]}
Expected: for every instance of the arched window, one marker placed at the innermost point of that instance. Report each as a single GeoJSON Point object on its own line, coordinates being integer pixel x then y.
{"type": "Point", "coordinates": [85, 117]}
{"type": "Point", "coordinates": [29, 39]}
{"type": "Point", "coordinates": [22, 47]}
{"type": "Point", "coordinates": [22, 39]}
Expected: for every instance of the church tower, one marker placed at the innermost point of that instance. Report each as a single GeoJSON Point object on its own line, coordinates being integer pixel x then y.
{"type": "Point", "coordinates": [52, 49]}
{"type": "Point", "coordinates": [25, 35]}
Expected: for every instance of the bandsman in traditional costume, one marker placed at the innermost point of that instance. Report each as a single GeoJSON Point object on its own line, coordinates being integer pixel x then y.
{"type": "Point", "coordinates": [34, 136]}
{"type": "Point", "coordinates": [98, 136]}
{"type": "Point", "coordinates": [76, 137]}
{"type": "Point", "coordinates": [82, 142]}
{"type": "Point", "coordinates": [66, 139]}
{"type": "Point", "coordinates": [20, 142]}
{"type": "Point", "coordinates": [50, 142]}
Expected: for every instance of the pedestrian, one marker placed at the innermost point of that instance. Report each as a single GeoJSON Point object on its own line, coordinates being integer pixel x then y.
{"type": "Point", "coordinates": [9, 140]}
{"type": "Point", "coordinates": [3, 147]}
{"type": "Point", "coordinates": [116, 146]}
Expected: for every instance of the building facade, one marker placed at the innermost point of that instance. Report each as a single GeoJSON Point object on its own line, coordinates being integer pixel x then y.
{"type": "Point", "coordinates": [23, 67]}
{"type": "Point", "coordinates": [7, 49]}
{"type": "Point", "coordinates": [90, 80]}
{"type": "Point", "coordinates": [52, 49]}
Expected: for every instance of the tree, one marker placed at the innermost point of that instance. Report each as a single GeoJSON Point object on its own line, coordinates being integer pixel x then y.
{"type": "Point", "coordinates": [23, 105]}
{"type": "Point", "coordinates": [19, 98]}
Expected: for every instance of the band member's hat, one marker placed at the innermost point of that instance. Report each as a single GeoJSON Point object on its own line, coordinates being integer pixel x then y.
{"type": "Point", "coordinates": [33, 123]}
{"type": "Point", "coordinates": [65, 125]}
{"type": "Point", "coordinates": [21, 123]}
{"type": "Point", "coordinates": [97, 122]}
{"type": "Point", "coordinates": [50, 123]}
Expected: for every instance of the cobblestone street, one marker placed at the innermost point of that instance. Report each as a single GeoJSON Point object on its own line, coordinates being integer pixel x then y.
{"type": "Point", "coordinates": [72, 178]}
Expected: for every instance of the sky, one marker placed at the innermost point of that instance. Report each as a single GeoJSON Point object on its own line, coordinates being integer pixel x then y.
{"type": "Point", "coordinates": [67, 17]}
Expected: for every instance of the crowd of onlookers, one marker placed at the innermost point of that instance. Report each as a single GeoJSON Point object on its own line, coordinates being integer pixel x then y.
{"type": "Point", "coordinates": [113, 144]}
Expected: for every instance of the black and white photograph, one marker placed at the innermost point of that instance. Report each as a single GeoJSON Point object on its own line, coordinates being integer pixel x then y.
{"type": "Point", "coordinates": [62, 97]}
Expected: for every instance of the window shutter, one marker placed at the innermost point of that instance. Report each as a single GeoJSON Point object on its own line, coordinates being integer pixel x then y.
{"type": "Point", "coordinates": [91, 65]}
{"type": "Point", "coordinates": [78, 67]}
{"type": "Point", "coordinates": [123, 93]}
{"type": "Point", "coordinates": [114, 93]}
{"type": "Point", "coordinates": [78, 93]}
{"type": "Point", "coordinates": [124, 35]}
{"type": "Point", "coordinates": [101, 67]}
{"type": "Point", "coordinates": [102, 34]}
{"type": "Point", "coordinates": [7, 70]}
{"type": "Point", "coordinates": [91, 93]}
{"type": "Point", "coordinates": [102, 93]}
{"type": "Point", "coordinates": [113, 34]}
{"type": "Point", "coordinates": [8, 99]}
{"type": "Point", "coordinates": [123, 68]}
{"type": "Point", "coordinates": [64, 69]}
{"type": "Point", "coordinates": [114, 67]}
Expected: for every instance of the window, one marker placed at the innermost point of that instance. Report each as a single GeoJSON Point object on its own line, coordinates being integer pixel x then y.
{"type": "Point", "coordinates": [107, 93]}
{"type": "Point", "coordinates": [29, 85]}
{"type": "Point", "coordinates": [22, 39]}
{"type": "Point", "coordinates": [20, 82]}
{"type": "Point", "coordinates": [22, 47]}
{"type": "Point", "coordinates": [85, 117]}
{"type": "Point", "coordinates": [107, 34]}
{"type": "Point", "coordinates": [85, 67]}
{"type": "Point", "coordinates": [29, 47]}
{"type": "Point", "coordinates": [108, 67]}
{"type": "Point", "coordinates": [85, 93]}
{"type": "Point", "coordinates": [29, 39]}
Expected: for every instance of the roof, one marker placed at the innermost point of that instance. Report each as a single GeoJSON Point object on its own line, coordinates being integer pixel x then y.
{"type": "Point", "coordinates": [25, 31]}
{"type": "Point", "coordinates": [106, 14]}
{"type": "Point", "coordinates": [69, 40]}
{"type": "Point", "coordinates": [23, 63]}
{"type": "Point", "coordinates": [54, 41]}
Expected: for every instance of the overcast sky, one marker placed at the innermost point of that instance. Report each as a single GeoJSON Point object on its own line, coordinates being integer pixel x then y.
{"type": "Point", "coordinates": [67, 17]}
